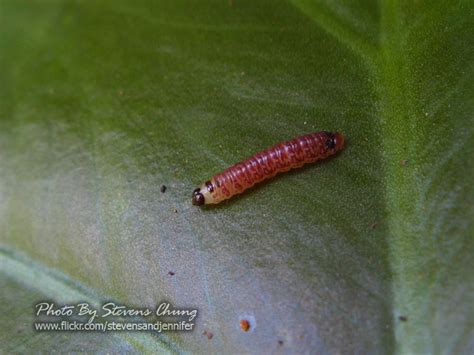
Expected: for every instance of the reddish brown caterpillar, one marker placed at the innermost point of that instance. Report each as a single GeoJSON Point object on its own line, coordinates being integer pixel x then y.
{"type": "Point", "coordinates": [266, 164]}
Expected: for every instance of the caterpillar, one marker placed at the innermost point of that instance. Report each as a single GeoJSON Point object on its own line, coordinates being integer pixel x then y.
{"type": "Point", "coordinates": [266, 164]}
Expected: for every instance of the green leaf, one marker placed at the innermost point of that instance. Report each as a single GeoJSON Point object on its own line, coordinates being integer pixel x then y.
{"type": "Point", "coordinates": [103, 102]}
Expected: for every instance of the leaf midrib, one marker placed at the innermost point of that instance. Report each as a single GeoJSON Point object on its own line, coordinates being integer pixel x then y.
{"type": "Point", "coordinates": [389, 68]}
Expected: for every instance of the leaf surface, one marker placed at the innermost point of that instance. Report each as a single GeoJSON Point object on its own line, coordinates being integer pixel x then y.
{"type": "Point", "coordinates": [103, 102]}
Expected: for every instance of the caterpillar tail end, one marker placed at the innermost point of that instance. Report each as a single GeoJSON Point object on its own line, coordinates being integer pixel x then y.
{"type": "Point", "coordinates": [340, 140]}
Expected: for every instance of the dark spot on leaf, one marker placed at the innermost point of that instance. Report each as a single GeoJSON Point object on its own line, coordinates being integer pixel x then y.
{"type": "Point", "coordinates": [163, 189]}
{"type": "Point", "coordinates": [208, 334]}
{"type": "Point", "coordinates": [280, 342]}
{"type": "Point", "coordinates": [171, 273]}
{"type": "Point", "coordinates": [403, 318]}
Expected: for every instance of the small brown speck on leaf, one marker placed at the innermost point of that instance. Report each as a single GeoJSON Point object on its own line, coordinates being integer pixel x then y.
{"type": "Point", "coordinates": [403, 318]}
{"type": "Point", "coordinates": [403, 162]}
{"type": "Point", "coordinates": [208, 334]}
{"type": "Point", "coordinates": [244, 325]}
{"type": "Point", "coordinates": [21, 328]}
{"type": "Point", "coordinates": [373, 225]}
{"type": "Point", "coordinates": [163, 189]}
{"type": "Point", "coordinates": [120, 93]}
{"type": "Point", "coordinates": [175, 210]}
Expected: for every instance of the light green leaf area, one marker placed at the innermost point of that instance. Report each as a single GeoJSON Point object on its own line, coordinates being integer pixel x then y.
{"type": "Point", "coordinates": [102, 102]}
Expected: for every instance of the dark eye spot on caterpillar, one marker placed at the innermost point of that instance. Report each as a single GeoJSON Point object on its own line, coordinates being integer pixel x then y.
{"type": "Point", "coordinates": [330, 140]}
{"type": "Point", "coordinates": [209, 186]}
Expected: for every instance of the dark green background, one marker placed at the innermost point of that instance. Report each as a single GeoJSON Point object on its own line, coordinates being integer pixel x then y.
{"type": "Point", "coordinates": [102, 102]}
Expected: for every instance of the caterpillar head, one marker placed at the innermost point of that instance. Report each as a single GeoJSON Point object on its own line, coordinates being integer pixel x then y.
{"type": "Point", "coordinates": [198, 198]}
{"type": "Point", "coordinates": [203, 195]}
